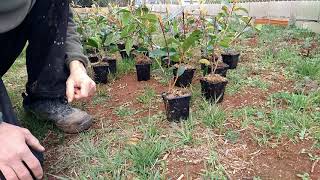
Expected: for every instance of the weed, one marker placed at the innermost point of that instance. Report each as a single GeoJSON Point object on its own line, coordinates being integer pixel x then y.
{"type": "Point", "coordinates": [211, 115]}
{"type": "Point", "coordinates": [309, 68]}
{"type": "Point", "coordinates": [232, 136]}
{"type": "Point", "coordinates": [148, 96]}
{"type": "Point", "coordinates": [297, 101]}
{"type": "Point", "coordinates": [304, 176]}
{"type": "Point", "coordinates": [185, 134]}
{"type": "Point", "coordinates": [123, 111]}
{"type": "Point", "coordinates": [125, 66]}
{"type": "Point", "coordinates": [145, 155]}
{"type": "Point", "coordinates": [214, 169]}
{"type": "Point", "coordinates": [257, 82]}
{"type": "Point", "coordinates": [101, 96]}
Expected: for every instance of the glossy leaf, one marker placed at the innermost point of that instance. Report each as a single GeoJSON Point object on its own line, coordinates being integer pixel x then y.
{"type": "Point", "coordinates": [129, 45]}
{"type": "Point", "coordinates": [94, 42]}
{"type": "Point", "coordinates": [180, 70]}
{"type": "Point", "coordinates": [191, 40]}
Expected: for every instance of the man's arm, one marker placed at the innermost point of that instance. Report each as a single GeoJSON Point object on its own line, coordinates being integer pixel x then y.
{"type": "Point", "coordinates": [79, 84]}
{"type": "Point", "coordinates": [74, 48]}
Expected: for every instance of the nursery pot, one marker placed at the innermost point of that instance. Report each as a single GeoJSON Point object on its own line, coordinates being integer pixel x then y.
{"type": "Point", "coordinates": [185, 79]}
{"type": "Point", "coordinates": [123, 53]}
{"type": "Point", "coordinates": [112, 64]}
{"type": "Point", "coordinates": [231, 59]}
{"type": "Point", "coordinates": [213, 92]}
{"type": "Point", "coordinates": [221, 69]}
{"type": "Point", "coordinates": [101, 73]}
{"type": "Point", "coordinates": [93, 59]}
{"type": "Point", "coordinates": [143, 71]}
{"type": "Point", "coordinates": [177, 108]}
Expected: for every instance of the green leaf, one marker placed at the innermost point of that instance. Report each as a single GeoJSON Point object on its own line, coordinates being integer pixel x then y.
{"type": "Point", "coordinates": [225, 9]}
{"type": "Point", "coordinates": [181, 70]}
{"type": "Point", "coordinates": [237, 8]}
{"type": "Point", "coordinates": [150, 17]}
{"type": "Point", "coordinates": [225, 43]}
{"type": "Point", "coordinates": [94, 42]}
{"type": "Point", "coordinates": [258, 27]}
{"type": "Point", "coordinates": [129, 45]}
{"type": "Point", "coordinates": [191, 40]}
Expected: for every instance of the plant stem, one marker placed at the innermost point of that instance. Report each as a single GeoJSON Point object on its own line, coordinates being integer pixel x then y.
{"type": "Point", "coordinates": [165, 39]}
{"type": "Point", "coordinates": [239, 34]}
{"type": "Point", "coordinates": [183, 24]}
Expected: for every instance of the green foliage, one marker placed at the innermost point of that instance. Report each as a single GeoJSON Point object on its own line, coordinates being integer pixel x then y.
{"type": "Point", "coordinates": [145, 155]}
{"type": "Point", "coordinates": [298, 101]}
{"type": "Point", "coordinates": [185, 133]}
{"type": "Point", "coordinates": [309, 68]}
{"type": "Point", "coordinates": [147, 97]}
{"type": "Point", "coordinates": [211, 115]}
{"type": "Point", "coordinates": [138, 26]}
{"type": "Point", "coordinates": [123, 111]}
{"type": "Point", "coordinates": [214, 169]}
{"type": "Point", "coordinates": [219, 31]}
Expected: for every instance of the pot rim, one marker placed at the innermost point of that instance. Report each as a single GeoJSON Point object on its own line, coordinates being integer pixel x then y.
{"type": "Point", "coordinates": [164, 96]}
{"type": "Point", "coordinates": [222, 82]}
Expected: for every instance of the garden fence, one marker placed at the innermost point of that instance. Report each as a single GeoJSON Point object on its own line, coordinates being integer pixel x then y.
{"type": "Point", "coordinates": [293, 9]}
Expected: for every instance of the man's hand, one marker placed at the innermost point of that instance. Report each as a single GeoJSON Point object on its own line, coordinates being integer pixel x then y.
{"type": "Point", "coordinates": [14, 151]}
{"type": "Point", "coordinates": [79, 84]}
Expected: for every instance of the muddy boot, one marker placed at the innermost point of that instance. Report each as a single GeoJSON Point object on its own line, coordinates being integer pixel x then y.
{"type": "Point", "coordinates": [57, 110]}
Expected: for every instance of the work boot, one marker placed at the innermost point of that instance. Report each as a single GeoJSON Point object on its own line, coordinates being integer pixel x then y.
{"type": "Point", "coordinates": [57, 110]}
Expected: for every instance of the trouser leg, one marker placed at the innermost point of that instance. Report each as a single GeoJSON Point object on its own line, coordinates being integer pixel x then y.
{"type": "Point", "coordinates": [47, 72]}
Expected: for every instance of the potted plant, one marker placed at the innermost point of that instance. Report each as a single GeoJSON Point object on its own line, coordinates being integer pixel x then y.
{"type": "Point", "coordinates": [220, 34]}
{"type": "Point", "coordinates": [138, 26]}
{"type": "Point", "coordinates": [90, 25]}
{"type": "Point", "coordinates": [177, 101]}
{"type": "Point", "coordinates": [100, 68]}
{"type": "Point", "coordinates": [143, 67]}
{"type": "Point", "coordinates": [109, 38]}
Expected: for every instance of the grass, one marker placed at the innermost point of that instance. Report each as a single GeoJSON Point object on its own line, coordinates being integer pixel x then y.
{"type": "Point", "coordinates": [136, 149]}
{"type": "Point", "coordinates": [185, 132]}
{"type": "Point", "coordinates": [211, 115]}
{"type": "Point", "coordinates": [148, 96]}
{"type": "Point", "coordinates": [124, 111]}
{"type": "Point", "coordinates": [310, 68]}
{"type": "Point", "coordinates": [144, 156]}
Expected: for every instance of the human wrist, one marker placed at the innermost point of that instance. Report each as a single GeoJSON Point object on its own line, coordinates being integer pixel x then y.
{"type": "Point", "coordinates": [77, 67]}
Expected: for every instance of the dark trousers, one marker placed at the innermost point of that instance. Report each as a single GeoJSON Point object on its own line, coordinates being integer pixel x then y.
{"type": "Point", "coordinates": [45, 29]}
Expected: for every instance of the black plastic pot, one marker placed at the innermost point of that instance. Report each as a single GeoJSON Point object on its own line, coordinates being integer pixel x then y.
{"type": "Point", "coordinates": [143, 72]}
{"type": "Point", "coordinates": [112, 64]}
{"type": "Point", "coordinates": [101, 72]}
{"type": "Point", "coordinates": [221, 69]}
{"type": "Point", "coordinates": [185, 79]}
{"type": "Point", "coordinates": [93, 59]}
{"type": "Point", "coordinates": [213, 92]}
{"type": "Point", "coordinates": [177, 108]}
{"type": "Point", "coordinates": [231, 59]}
{"type": "Point", "coordinates": [123, 53]}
